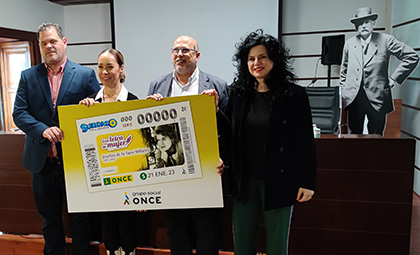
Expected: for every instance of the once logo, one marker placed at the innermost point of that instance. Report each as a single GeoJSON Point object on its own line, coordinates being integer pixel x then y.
{"type": "Point", "coordinates": [118, 179]}
{"type": "Point", "coordinates": [147, 200]}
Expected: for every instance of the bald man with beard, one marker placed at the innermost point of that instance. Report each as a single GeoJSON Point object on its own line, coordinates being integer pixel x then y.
{"type": "Point", "coordinates": [188, 79]}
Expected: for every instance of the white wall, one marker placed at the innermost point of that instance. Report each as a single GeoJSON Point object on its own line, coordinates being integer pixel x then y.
{"type": "Point", "coordinates": [88, 26]}
{"type": "Point", "coordinates": [404, 11]}
{"type": "Point", "coordinates": [81, 24]}
{"type": "Point", "coordinates": [146, 30]}
{"type": "Point", "coordinates": [28, 14]}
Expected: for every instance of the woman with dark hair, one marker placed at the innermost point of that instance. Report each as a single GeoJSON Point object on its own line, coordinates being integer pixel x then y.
{"type": "Point", "coordinates": [271, 154]}
{"type": "Point", "coordinates": [169, 148]}
{"type": "Point", "coordinates": [112, 75]}
{"type": "Point", "coordinates": [119, 227]}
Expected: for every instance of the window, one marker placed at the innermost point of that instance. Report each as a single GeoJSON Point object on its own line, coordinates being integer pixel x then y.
{"type": "Point", "coordinates": [18, 50]}
{"type": "Point", "coordinates": [15, 57]}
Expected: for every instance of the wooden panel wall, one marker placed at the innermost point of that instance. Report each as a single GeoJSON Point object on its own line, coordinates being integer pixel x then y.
{"type": "Point", "coordinates": [363, 200]}
{"type": "Point", "coordinates": [18, 212]}
{"type": "Point", "coordinates": [362, 204]}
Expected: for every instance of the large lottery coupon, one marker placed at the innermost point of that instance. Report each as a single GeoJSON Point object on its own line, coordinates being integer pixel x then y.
{"type": "Point", "coordinates": [139, 147]}
{"type": "Point", "coordinates": [141, 155]}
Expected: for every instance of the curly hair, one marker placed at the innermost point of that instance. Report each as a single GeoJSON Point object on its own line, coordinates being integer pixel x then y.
{"type": "Point", "coordinates": [279, 76]}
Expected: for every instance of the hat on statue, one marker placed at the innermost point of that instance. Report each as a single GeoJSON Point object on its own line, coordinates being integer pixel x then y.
{"type": "Point", "coordinates": [363, 14]}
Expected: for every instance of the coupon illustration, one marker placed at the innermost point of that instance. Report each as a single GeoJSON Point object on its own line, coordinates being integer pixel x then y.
{"type": "Point", "coordinates": [139, 147]}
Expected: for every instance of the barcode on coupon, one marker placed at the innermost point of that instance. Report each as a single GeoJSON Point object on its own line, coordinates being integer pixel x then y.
{"type": "Point", "coordinates": [187, 145]}
{"type": "Point", "coordinates": [93, 166]}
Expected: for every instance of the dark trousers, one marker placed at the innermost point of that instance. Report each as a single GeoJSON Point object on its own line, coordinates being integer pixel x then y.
{"type": "Point", "coordinates": [361, 107]}
{"type": "Point", "coordinates": [119, 229]}
{"type": "Point", "coordinates": [49, 192]}
{"type": "Point", "coordinates": [201, 223]}
{"type": "Point", "coordinates": [246, 218]}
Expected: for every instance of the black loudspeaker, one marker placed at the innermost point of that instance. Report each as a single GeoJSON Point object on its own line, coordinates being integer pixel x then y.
{"type": "Point", "coordinates": [332, 49]}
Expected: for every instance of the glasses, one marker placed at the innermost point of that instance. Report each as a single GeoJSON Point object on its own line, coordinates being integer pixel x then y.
{"type": "Point", "coordinates": [184, 51]}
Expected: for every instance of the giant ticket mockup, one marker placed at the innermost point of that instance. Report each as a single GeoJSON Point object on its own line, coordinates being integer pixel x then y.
{"type": "Point", "coordinates": [141, 154]}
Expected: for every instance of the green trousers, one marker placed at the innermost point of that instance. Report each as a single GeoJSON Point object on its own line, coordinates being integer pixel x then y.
{"type": "Point", "coordinates": [246, 215]}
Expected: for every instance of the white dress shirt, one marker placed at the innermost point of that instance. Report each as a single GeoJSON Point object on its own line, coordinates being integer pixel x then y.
{"type": "Point", "coordinates": [191, 88]}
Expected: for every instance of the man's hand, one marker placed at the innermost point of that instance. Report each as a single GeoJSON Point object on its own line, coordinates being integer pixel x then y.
{"type": "Point", "coordinates": [53, 134]}
{"type": "Point", "coordinates": [212, 92]}
{"type": "Point", "coordinates": [156, 97]}
{"type": "Point", "coordinates": [391, 83]}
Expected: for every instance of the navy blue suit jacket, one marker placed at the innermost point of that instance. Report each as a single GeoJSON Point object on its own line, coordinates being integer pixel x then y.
{"type": "Point", "coordinates": [34, 112]}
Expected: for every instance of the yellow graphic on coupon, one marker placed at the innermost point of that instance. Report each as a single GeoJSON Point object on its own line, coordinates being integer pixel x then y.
{"type": "Point", "coordinates": [126, 149]}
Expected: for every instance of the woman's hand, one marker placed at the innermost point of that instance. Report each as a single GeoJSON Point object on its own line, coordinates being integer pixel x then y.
{"type": "Point", "coordinates": [162, 155]}
{"type": "Point", "coordinates": [221, 167]}
{"type": "Point", "coordinates": [212, 92]}
{"type": "Point", "coordinates": [304, 195]}
{"type": "Point", "coordinates": [87, 101]}
{"type": "Point", "coordinates": [156, 97]}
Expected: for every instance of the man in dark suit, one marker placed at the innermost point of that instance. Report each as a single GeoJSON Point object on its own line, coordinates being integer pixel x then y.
{"type": "Point", "coordinates": [42, 88]}
{"type": "Point", "coordinates": [187, 79]}
{"type": "Point", "coordinates": [364, 73]}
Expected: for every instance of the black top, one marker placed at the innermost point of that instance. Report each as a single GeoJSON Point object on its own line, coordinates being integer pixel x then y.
{"type": "Point", "coordinates": [289, 157]}
{"type": "Point", "coordinates": [256, 122]}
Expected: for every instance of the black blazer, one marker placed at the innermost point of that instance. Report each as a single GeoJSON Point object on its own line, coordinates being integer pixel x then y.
{"type": "Point", "coordinates": [289, 161]}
